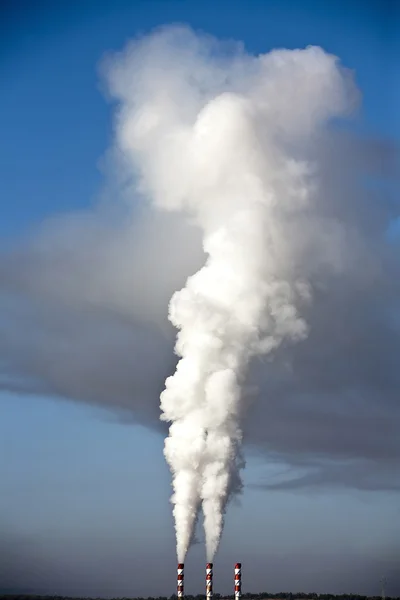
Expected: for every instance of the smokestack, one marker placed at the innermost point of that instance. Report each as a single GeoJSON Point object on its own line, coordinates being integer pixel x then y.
{"type": "Point", "coordinates": [209, 581]}
{"type": "Point", "coordinates": [180, 580]}
{"type": "Point", "coordinates": [238, 581]}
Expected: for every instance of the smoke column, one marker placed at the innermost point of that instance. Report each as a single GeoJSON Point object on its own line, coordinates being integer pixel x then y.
{"type": "Point", "coordinates": [222, 136]}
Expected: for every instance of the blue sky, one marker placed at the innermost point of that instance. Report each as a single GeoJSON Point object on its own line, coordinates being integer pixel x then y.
{"type": "Point", "coordinates": [85, 497]}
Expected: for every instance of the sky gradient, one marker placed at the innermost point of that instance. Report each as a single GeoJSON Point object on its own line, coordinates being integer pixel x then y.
{"type": "Point", "coordinates": [86, 504]}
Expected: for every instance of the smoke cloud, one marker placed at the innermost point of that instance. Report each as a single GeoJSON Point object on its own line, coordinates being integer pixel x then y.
{"type": "Point", "coordinates": [224, 137]}
{"type": "Point", "coordinates": [234, 176]}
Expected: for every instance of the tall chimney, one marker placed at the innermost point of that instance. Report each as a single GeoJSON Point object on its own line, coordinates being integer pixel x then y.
{"type": "Point", "coordinates": [209, 581]}
{"type": "Point", "coordinates": [238, 581]}
{"type": "Point", "coordinates": [180, 580]}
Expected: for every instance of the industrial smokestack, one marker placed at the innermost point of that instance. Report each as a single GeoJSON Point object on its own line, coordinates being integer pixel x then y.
{"type": "Point", "coordinates": [209, 581]}
{"type": "Point", "coordinates": [238, 581]}
{"type": "Point", "coordinates": [180, 580]}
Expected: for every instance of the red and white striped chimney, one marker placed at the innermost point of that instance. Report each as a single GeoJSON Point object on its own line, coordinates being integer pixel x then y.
{"type": "Point", "coordinates": [180, 580]}
{"type": "Point", "coordinates": [238, 581]}
{"type": "Point", "coordinates": [209, 581]}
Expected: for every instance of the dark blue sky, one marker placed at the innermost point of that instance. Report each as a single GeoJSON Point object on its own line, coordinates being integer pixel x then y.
{"type": "Point", "coordinates": [84, 504]}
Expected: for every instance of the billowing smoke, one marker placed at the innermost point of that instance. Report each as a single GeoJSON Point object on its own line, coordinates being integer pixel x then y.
{"type": "Point", "coordinates": [226, 138]}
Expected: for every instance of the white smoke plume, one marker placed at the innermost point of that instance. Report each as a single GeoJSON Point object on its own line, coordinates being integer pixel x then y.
{"type": "Point", "coordinates": [226, 138]}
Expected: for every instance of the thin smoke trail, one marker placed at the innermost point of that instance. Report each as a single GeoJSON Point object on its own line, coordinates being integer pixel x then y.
{"type": "Point", "coordinates": [218, 134]}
